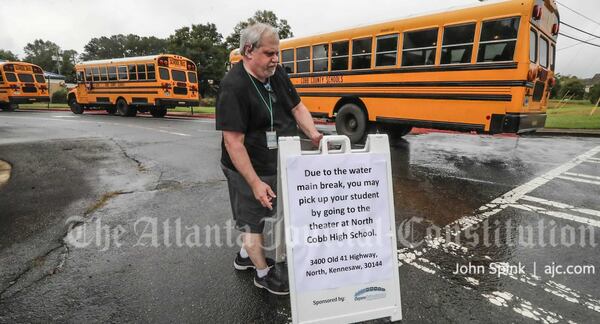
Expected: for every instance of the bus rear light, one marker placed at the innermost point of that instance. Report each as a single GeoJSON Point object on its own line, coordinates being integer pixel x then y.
{"type": "Point", "coordinates": [488, 117]}
{"type": "Point", "coordinates": [555, 29]}
{"type": "Point", "coordinates": [537, 12]}
{"type": "Point", "coordinates": [193, 88]}
{"type": "Point", "coordinates": [166, 86]}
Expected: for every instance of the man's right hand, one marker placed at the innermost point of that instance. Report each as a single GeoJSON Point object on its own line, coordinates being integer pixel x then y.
{"type": "Point", "coordinates": [264, 194]}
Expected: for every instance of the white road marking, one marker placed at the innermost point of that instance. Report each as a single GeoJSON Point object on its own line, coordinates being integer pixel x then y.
{"type": "Point", "coordinates": [499, 298]}
{"type": "Point", "coordinates": [540, 210]}
{"type": "Point", "coordinates": [511, 197]}
{"type": "Point", "coordinates": [592, 161]}
{"type": "Point", "coordinates": [555, 204]}
{"type": "Point", "coordinates": [579, 175]}
{"type": "Point", "coordinates": [65, 116]}
{"type": "Point", "coordinates": [579, 180]}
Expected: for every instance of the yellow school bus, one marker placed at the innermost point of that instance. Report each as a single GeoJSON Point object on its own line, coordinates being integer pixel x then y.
{"type": "Point", "coordinates": [21, 83]}
{"type": "Point", "coordinates": [486, 68]}
{"type": "Point", "coordinates": [135, 84]}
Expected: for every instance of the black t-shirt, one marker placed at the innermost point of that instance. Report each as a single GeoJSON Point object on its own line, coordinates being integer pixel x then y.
{"type": "Point", "coordinates": [240, 109]}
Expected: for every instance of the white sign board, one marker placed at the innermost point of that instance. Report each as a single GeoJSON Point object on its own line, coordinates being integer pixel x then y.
{"type": "Point", "coordinates": [340, 231]}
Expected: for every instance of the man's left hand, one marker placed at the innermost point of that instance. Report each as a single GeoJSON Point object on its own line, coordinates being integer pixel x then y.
{"type": "Point", "coordinates": [315, 138]}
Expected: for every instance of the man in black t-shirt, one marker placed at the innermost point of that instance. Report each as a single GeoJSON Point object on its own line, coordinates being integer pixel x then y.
{"type": "Point", "coordinates": [256, 104]}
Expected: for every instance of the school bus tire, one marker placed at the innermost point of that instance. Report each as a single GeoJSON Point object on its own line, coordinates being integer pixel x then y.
{"type": "Point", "coordinates": [158, 112]}
{"type": "Point", "coordinates": [124, 109]}
{"type": "Point", "coordinates": [76, 108]}
{"type": "Point", "coordinates": [352, 122]}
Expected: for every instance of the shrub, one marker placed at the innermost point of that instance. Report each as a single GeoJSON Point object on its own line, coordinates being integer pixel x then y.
{"type": "Point", "coordinates": [595, 93]}
{"type": "Point", "coordinates": [208, 102]}
{"type": "Point", "coordinates": [60, 96]}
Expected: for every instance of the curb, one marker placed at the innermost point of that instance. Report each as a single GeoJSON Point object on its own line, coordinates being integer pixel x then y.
{"type": "Point", "coordinates": [566, 132]}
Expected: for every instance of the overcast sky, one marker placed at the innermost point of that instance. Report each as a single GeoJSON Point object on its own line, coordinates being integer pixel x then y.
{"type": "Point", "coordinates": [72, 23]}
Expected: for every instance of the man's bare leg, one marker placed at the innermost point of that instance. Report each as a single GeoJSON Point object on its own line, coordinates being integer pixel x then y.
{"type": "Point", "coordinates": [253, 243]}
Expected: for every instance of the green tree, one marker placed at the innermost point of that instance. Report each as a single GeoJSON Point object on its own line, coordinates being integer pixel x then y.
{"type": "Point", "coordinates": [8, 56]}
{"type": "Point", "coordinates": [202, 44]}
{"type": "Point", "coordinates": [67, 65]}
{"type": "Point", "coordinates": [120, 45]}
{"type": "Point", "coordinates": [43, 53]}
{"type": "Point", "coordinates": [554, 92]}
{"type": "Point", "coordinates": [572, 87]}
{"type": "Point", "coordinates": [262, 16]}
{"type": "Point", "coordinates": [595, 93]}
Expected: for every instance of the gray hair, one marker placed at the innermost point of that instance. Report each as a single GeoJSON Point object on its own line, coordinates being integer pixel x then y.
{"type": "Point", "coordinates": [252, 36]}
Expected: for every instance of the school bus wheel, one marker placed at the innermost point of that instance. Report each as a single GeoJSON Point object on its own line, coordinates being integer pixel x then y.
{"type": "Point", "coordinates": [111, 110]}
{"type": "Point", "coordinates": [75, 107]}
{"type": "Point", "coordinates": [9, 107]}
{"type": "Point", "coordinates": [124, 109]}
{"type": "Point", "coordinates": [158, 112]}
{"type": "Point", "coordinates": [352, 122]}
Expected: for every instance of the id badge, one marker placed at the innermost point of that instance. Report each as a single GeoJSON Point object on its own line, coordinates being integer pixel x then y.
{"type": "Point", "coordinates": [271, 140]}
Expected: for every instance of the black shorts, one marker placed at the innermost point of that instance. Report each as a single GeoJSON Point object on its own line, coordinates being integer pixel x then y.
{"type": "Point", "coordinates": [248, 213]}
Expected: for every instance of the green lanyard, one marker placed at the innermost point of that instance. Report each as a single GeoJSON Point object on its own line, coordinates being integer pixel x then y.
{"type": "Point", "coordinates": [269, 106]}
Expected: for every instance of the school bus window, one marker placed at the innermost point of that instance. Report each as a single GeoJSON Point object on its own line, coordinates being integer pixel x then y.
{"type": "Point", "coordinates": [320, 58]}
{"type": "Point", "coordinates": [419, 47]}
{"type": "Point", "coordinates": [23, 77]}
{"type": "Point", "coordinates": [103, 75]}
{"type": "Point", "coordinates": [164, 73]}
{"type": "Point", "coordinates": [287, 60]}
{"type": "Point", "coordinates": [533, 46]}
{"type": "Point", "coordinates": [132, 72]}
{"type": "Point", "coordinates": [457, 45]}
{"type": "Point", "coordinates": [498, 40]}
{"type": "Point", "coordinates": [361, 53]}
{"type": "Point", "coordinates": [141, 71]}
{"type": "Point", "coordinates": [80, 77]}
{"type": "Point", "coordinates": [339, 56]}
{"type": "Point", "coordinates": [1, 78]}
{"type": "Point", "coordinates": [303, 60]}
{"type": "Point", "coordinates": [112, 73]}
{"type": "Point", "coordinates": [543, 52]}
{"type": "Point", "coordinates": [88, 75]}
{"type": "Point", "coordinates": [96, 73]}
{"type": "Point", "coordinates": [387, 50]}
{"type": "Point", "coordinates": [122, 71]}
{"type": "Point", "coordinates": [552, 56]}
{"type": "Point", "coordinates": [192, 77]}
{"type": "Point", "coordinates": [178, 75]}
{"type": "Point", "coordinates": [11, 77]}
{"type": "Point", "coordinates": [39, 78]}
{"type": "Point", "coordinates": [151, 72]}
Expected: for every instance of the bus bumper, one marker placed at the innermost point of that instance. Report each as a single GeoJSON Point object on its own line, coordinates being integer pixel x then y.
{"type": "Point", "coordinates": [26, 100]}
{"type": "Point", "coordinates": [517, 123]}
{"type": "Point", "coordinates": [172, 103]}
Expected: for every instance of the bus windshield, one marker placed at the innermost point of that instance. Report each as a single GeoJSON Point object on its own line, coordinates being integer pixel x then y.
{"type": "Point", "coordinates": [178, 75]}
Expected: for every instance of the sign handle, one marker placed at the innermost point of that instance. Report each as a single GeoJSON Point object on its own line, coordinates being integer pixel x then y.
{"type": "Point", "coordinates": [344, 141]}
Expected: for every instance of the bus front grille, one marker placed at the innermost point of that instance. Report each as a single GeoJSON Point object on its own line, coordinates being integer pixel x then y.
{"type": "Point", "coordinates": [29, 89]}
{"type": "Point", "coordinates": [538, 91]}
{"type": "Point", "coordinates": [180, 91]}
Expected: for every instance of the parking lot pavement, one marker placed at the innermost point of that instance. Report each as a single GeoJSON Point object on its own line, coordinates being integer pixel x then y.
{"type": "Point", "coordinates": [516, 203]}
{"type": "Point", "coordinates": [532, 250]}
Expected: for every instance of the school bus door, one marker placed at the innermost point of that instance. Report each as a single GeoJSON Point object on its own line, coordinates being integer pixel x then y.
{"type": "Point", "coordinates": [84, 85]}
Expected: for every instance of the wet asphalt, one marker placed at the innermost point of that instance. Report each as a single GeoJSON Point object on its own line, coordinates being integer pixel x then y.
{"type": "Point", "coordinates": [88, 192]}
